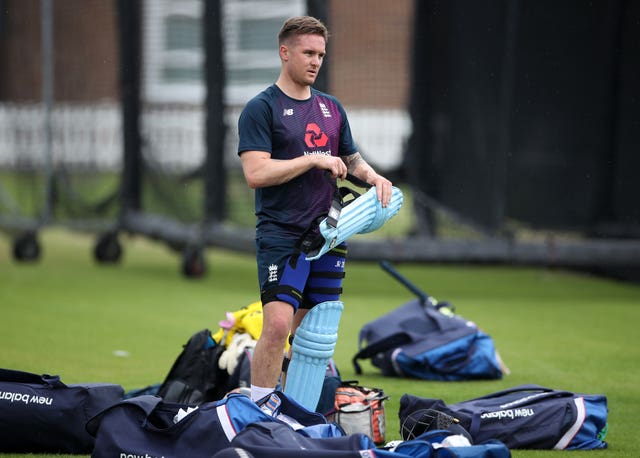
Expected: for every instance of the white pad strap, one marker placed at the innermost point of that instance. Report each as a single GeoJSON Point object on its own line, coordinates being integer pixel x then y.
{"type": "Point", "coordinates": [312, 348]}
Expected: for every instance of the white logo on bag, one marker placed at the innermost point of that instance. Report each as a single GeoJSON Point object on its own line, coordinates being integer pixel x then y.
{"type": "Point", "coordinates": [25, 397]}
{"type": "Point", "coordinates": [131, 455]}
{"type": "Point", "coordinates": [511, 414]}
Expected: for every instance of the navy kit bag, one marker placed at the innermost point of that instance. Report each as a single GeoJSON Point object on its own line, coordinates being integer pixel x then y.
{"type": "Point", "coordinates": [523, 417]}
{"type": "Point", "coordinates": [276, 440]}
{"type": "Point", "coordinates": [272, 440]}
{"type": "Point", "coordinates": [41, 414]}
{"type": "Point", "coordinates": [424, 339]}
{"type": "Point", "coordinates": [418, 340]}
{"type": "Point", "coordinates": [148, 426]}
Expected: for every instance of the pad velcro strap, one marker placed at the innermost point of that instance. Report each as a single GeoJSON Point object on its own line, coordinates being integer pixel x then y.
{"type": "Point", "coordinates": [338, 203]}
{"type": "Point", "coordinates": [272, 294]}
{"type": "Point", "coordinates": [340, 250]}
{"type": "Point", "coordinates": [320, 290]}
{"type": "Point", "coordinates": [335, 275]}
{"type": "Point", "coordinates": [311, 239]}
{"type": "Point", "coordinates": [334, 210]}
{"type": "Point", "coordinates": [285, 364]}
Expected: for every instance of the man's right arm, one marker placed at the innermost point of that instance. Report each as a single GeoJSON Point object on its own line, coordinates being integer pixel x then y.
{"type": "Point", "coordinates": [261, 171]}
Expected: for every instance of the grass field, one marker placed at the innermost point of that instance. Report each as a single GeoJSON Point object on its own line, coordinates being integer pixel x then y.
{"type": "Point", "coordinates": [69, 316]}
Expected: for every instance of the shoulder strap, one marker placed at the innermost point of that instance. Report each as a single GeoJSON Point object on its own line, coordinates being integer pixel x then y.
{"type": "Point", "coordinates": [515, 389]}
{"type": "Point", "coordinates": [10, 375]}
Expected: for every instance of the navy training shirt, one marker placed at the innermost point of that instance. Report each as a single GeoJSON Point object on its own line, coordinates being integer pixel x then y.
{"type": "Point", "coordinates": [288, 128]}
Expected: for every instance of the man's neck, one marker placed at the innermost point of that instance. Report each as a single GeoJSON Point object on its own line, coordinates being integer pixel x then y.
{"type": "Point", "coordinates": [293, 90]}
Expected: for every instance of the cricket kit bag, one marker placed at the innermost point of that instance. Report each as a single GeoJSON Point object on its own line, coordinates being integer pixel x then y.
{"type": "Point", "coordinates": [202, 370]}
{"type": "Point", "coordinates": [523, 417]}
{"type": "Point", "coordinates": [447, 444]}
{"type": "Point", "coordinates": [195, 376]}
{"type": "Point", "coordinates": [418, 340]}
{"type": "Point", "coordinates": [148, 426]}
{"type": "Point", "coordinates": [41, 414]}
{"type": "Point", "coordinates": [273, 440]}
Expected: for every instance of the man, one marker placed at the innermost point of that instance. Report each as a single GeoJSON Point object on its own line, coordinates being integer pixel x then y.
{"type": "Point", "coordinates": [292, 138]}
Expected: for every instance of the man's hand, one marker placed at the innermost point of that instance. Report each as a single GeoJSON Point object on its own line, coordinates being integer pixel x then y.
{"type": "Point", "coordinates": [383, 189]}
{"type": "Point", "coordinates": [334, 165]}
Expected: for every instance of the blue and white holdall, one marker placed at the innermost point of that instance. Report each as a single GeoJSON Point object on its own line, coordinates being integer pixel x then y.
{"type": "Point", "coordinates": [525, 417]}
{"type": "Point", "coordinates": [422, 341]}
{"type": "Point", "coordinates": [272, 440]}
{"type": "Point", "coordinates": [149, 427]}
{"type": "Point", "coordinates": [441, 443]}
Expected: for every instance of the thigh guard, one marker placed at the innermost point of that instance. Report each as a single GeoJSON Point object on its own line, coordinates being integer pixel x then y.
{"type": "Point", "coordinates": [292, 282]}
{"type": "Point", "coordinates": [325, 277]}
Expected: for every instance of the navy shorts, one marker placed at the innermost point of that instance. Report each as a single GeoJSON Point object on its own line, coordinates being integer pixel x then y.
{"type": "Point", "coordinates": [285, 275]}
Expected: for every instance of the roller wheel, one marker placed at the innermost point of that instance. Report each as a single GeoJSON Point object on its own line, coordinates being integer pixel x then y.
{"type": "Point", "coordinates": [26, 247]}
{"type": "Point", "coordinates": [193, 262]}
{"type": "Point", "coordinates": [107, 249]}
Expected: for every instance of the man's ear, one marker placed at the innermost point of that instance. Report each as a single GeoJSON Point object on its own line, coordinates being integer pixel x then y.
{"type": "Point", "coordinates": [284, 52]}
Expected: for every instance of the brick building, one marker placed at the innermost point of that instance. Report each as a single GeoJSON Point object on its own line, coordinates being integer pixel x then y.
{"type": "Point", "coordinates": [367, 64]}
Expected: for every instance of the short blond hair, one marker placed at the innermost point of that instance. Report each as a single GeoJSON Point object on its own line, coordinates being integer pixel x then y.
{"type": "Point", "coordinates": [302, 25]}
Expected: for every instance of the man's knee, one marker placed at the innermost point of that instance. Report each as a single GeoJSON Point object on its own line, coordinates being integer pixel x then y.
{"type": "Point", "coordinates": [277, 319]}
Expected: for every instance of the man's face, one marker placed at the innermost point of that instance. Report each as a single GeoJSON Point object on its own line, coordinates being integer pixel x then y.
{"type": "Point", "coordinates": [303, 56]}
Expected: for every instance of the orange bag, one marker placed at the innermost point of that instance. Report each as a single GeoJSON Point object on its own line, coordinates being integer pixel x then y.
{"type": "Point", "coordinates": [360, 410]}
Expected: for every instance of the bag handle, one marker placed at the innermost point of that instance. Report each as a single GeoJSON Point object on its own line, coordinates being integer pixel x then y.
{"type": "Point", "coordinates": [14, 376]}
{"type": "Point", "coordinates": [527, 387]}
{"type": "Point", "coordinates": [381, 346]}
{"type": "Point", "coordinates": [146, 403]}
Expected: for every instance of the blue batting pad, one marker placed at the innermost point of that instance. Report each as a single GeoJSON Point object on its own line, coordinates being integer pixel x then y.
{"type": "Point", "coordinates": [362, 215]}
{"type": "Point", "coordinates": [312, 348]}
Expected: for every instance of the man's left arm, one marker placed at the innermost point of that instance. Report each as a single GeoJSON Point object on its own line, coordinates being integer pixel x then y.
{"type": "Point", "coordinates": [359, 168]}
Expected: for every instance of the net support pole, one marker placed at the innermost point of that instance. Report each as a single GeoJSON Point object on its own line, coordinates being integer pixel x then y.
{"type": "Point", "coordinates": [215, 130]}
{"type": "Point", "coordinates": [46, 41]}
{"type": "Point", "coordinates": [129, 33]}
{"type": "Point", "coordinates": [320, 9]}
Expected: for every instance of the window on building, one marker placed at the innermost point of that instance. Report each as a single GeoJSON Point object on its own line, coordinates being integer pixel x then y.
{"type": "Point", "coordinates": [174, 55]}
